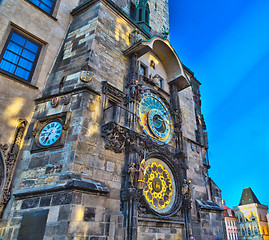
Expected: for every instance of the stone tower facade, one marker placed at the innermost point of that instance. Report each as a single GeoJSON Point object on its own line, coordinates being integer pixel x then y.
{"type": "Point", "coordinates": [116, 147]}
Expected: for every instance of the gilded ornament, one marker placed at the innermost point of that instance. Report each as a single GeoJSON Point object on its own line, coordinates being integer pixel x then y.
{"type": "Point", "coordinates": [86, 76]}
{"type": "Point", "coordinates": [158, 186]}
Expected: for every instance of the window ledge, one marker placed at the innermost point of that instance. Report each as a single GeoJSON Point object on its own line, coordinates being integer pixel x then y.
{"type": "Point", "coordinates": [17, 79]}
{"type": "Point", "coordinates": [49, 15]}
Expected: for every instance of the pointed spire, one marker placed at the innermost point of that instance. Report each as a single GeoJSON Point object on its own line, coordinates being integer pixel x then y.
{"type": "Point", "coordinates": [248, 197]}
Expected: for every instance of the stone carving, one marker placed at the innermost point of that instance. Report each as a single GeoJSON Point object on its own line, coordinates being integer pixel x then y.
{"type": "Point", "coordinates": [55, 102]}
{"type": "Point", "coordinates": [186, 190]}
{"type": "Point", "coordinates": [117, 137]}
{"type": "Point", "coordinates": [132, 171]}
{"type": "Point", "coordinates": [141, 174]}
{"type": "Point", "coordinates": [165, 32]}
{"type": "Point", "coordinates": [134, 37]}
{"type": "Point", "coordinates": [112, 92]}
{"type": "Point", "coordinates": [66, 99]}
{"type": "Point", "coordinates": [10, 162]}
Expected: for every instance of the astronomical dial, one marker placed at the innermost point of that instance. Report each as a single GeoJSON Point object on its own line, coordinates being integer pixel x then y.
{"type": "Point", "coordinates": [155, 118]}
{"type": "Point", "coordinates": [50, 133]}
{"type": "Point", "coordinates": [159, 186]}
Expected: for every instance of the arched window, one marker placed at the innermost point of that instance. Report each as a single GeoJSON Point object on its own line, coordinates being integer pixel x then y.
{"type": "Point", "coordinates": [147, 16]}
{"type": "Point", "coordinates": [255, 231]}
{"type": "Point", "coordinates": [243, 232]}
{"type": "Point", "coordinates": [133, 11]}
{"type": "Point", "coordinates": [140, 15]}
{"type": "Point", "coordinates": [249, 232]}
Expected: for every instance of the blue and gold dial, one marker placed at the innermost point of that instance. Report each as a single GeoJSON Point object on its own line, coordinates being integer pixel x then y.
{"type": "Point", "coordinates": [155, 118]}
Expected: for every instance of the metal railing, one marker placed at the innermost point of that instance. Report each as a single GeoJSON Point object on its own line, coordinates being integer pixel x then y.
{"type": "Point", "coordinates": [121, 116]}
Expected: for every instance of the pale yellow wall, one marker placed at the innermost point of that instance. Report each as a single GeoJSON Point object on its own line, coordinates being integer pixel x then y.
{"type": "Point", "coordinates": [259, 211]}
{"type": "Point", "coordinates": [16, 98]}
{"type": "Point", "coordinates": [159, 68]}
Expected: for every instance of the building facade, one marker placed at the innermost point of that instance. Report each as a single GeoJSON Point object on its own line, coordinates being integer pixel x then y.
{"type": "Point", "coordinates": [29, 45]}
{"type": "Point", "coordinates": [251, 217]}
{"type": "Point", "coordinates": [230, 223]}
{"type": "Point", "coordinates": [116, 146]}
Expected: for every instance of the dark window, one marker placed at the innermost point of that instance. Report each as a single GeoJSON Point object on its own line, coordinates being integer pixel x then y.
{"type": "Point", "coordinates": [161, 83]}
{"type": "Point", "coordinates": [140, 15]}
{"type": "Point", "coordinates": [147, 16]}
{"type": "Point", "coordinates": [132, 11]}
{"type": "Point", "coordinates": [19, 56]}
{"type": "Point", "coordinates": [45, 5]}
{"type": "Point", "coordinates": [142, 70]}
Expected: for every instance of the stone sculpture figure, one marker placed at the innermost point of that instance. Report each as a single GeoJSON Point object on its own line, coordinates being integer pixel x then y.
{"type": "Point", "coordinates": [141, 174]}
{"type": "Point", "coordinates": [132, 171]}
{"type": "Point", "coordinates": [185, 189]}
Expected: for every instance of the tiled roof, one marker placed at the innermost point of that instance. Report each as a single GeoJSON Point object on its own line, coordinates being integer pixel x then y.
{"type": "Point", "coordinates": [227, 210]}
{"type": "Point", "coordinates": [248, 197]}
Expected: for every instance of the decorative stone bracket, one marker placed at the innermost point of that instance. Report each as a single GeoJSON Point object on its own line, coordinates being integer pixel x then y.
{"type": "Point", "coordinates": [117, 138]}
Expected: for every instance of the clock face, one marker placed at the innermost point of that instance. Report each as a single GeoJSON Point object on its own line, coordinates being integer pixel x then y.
{"type": "Point", "coordinates": [50, 133]}
{"type": "Point", "coordinates": [159, 186]}
{"type": "Point", "coordinates": [155, 118]}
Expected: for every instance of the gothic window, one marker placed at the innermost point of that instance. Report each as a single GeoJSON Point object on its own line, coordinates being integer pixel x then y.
{"type": "Point", "coordinates": [255, 231]}
{"type": "Point", "coordinates": [140, 15]}
{"type": "Point", "coordinates": [133, 11]}
{"type": "Point", "coordinates": [19, 56]}
{"type": "Point", "coordinates": [249, 232]}
{"type": "Point", "coordinates": [45, 5]}
{"type": "Point", "coordinates": [243, 232]}
{"type": "Point", "coordinates": [147, 16]}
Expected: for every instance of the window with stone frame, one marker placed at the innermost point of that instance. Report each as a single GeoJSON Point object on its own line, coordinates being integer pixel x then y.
{"type": "Point", "coordinates": [19, 56]}
{"type": "Point", "coordinates": [143, 70]}
{"type": "Point", "coordinates": [133, 11]}
{"type": "Point", "coordinates": [46, 5]}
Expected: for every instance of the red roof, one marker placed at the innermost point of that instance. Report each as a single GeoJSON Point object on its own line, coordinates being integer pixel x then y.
{"type": "Point", "coordinates": [228, 212]}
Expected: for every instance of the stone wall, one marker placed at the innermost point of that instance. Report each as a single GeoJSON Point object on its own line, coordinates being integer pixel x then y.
{"type": "Point", "coordinates": [160, 230]}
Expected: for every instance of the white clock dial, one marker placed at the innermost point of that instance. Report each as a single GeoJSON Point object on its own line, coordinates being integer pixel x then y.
{"type": "Point", "coordinates": [50, 133]}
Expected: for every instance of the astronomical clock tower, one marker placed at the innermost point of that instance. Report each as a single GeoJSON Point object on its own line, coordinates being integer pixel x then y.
{"type": "Point", "coordinates": [117, 147]}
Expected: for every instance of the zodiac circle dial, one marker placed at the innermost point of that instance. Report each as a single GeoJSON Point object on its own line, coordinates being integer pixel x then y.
{"type": "Point", "coordinates": [159, 186]}
{"type": "Point", "coordinates": [155, 118]}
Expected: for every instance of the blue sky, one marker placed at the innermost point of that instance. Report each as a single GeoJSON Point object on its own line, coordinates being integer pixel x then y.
{"type": "Point", "coordinates": [226, 45]}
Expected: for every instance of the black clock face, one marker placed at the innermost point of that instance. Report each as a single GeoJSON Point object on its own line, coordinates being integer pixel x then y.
{"type": "Point", "coordinates": [50, 133]}
{"type": "Point", "coordinates": [155, 118]}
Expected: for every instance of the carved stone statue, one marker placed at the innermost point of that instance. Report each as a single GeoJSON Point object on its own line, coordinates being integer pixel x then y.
{"type": "Point", "coordinates": [190, 187]}
{"type": "Point", "coordinates": [141, 174]}
{"type": "Point", "coordinates": [185, 189]}
{"type": "Point", "coordinates": [132, 171]}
